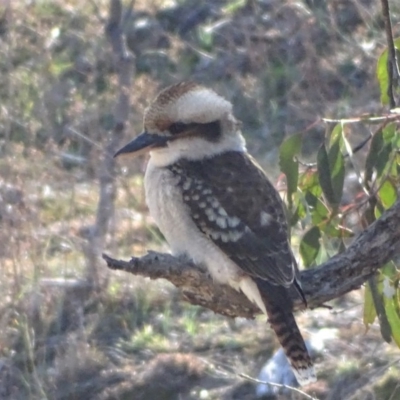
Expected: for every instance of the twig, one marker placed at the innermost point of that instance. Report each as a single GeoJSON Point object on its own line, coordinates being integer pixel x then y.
{"type": "Point", "coordinates": [392, 65]}
{"type": "Point", "coordinates": [367, 190]}
{"type": "Point", "coordinates": [373, 120]}
{"type": "Point", "coordinates": [386, 119]}
{"type": "Point", "coordinates": [354, 150]}
{"type": "Point", "coordinates": [359, 146]}
{"type": "Point", "coordinates": [278, 385]}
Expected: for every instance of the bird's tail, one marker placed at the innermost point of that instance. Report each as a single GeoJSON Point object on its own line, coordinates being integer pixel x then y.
{"type": "Point", "coordinates": [283, 323]}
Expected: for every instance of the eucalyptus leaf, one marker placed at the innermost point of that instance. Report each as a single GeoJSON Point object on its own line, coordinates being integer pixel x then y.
{"type": "Point", "coordinates": [387, 194]}
{"type": "Point", "coordinates": [369, 313]}
{"type": "Point", "coordinates": [289, 148]}
{"type": "Point", "coordinates": [382, 73]}
{"type": "Point", "coordinates": [310, 246]}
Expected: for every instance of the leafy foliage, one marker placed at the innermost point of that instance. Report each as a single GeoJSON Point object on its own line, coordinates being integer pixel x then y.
{"type": "Point", "coordinates": [318, 206]}
{"type": "Point", "coordinates": [289, 166]}
{"type": "Point", "coordinates": [382, 73]}
{"type": "Point", "coordinates": [330, 164]}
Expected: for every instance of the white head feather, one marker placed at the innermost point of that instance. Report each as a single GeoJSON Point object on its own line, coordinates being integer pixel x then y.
{"type": "Point", "coordinates": [201, 105]}
{"type": "Point", "coordinates": [191, 103]}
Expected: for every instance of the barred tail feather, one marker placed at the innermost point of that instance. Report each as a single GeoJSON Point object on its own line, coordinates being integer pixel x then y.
{"type": "Point", "coordinates": [283, 323]}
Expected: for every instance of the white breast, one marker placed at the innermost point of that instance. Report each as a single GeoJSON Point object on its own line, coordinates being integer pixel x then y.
{"type": "Point", "coordinates": [172, 216]}
{"type": "Point", "coordinates": [164, 200]}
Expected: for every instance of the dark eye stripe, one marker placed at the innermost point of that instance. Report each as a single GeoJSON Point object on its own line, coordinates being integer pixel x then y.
{"type": "Point", "coordinates": [178, 127]}
{"type": "Point", "coordinates": [210, 131]}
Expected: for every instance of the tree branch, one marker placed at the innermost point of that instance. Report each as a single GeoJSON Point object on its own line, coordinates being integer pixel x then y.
{"type": "Point", "coordinates": [347, 271]}
{"type": "Point", "coordinates": [124, 62]}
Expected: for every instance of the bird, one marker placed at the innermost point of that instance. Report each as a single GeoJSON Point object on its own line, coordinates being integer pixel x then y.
{"type": "Point", "coordinates": [214, 204]}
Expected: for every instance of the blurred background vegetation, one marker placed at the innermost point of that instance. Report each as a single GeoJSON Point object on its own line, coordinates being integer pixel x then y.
{"type": "Point", "coordinates": [284, 64]}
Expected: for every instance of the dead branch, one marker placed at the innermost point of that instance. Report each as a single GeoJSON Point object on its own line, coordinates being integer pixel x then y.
{"type": "Point", "coordinates": [124, 62]}
{"type": "Point", "coordinates": [347, 271]}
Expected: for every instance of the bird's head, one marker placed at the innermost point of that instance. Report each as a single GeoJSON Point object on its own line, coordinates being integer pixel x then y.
{"type": "Point", "coordinates": [187, 120]}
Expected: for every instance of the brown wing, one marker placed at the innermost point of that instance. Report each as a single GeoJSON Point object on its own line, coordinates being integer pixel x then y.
{"type": "Point", "coordinates": [232, 202]}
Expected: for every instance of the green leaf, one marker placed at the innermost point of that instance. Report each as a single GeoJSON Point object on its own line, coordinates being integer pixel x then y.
{"type": "Point", "coordinates": [393, 318]}
{"type": "Point", "coordinates": [376, 286]}
{"type": "Point", "coordinates": [331, 172]}
{"type": "Point", "coordinates": [396, 140]}
{"type": "Point", "coordinates": [336, 134]}
{"type": "Point", "coordinates": [323, 254]}
{"type": "Point", "coordinates": [309, 182]}
{"type": "Point", "coordinates": [318, 210]}
{"type": "Point", "coordinates": [378, 156]}
{"type": "Point", "coordinates": [334, 230]}
{"type": "Point", "coordinates": [387, 194]}
{"type": "Point", "coordinates": [299, 209]}
{"type": "Point", "coordinates": [310, 245]}
{"type": "Point", "coordinates": [324, 174]}
{"type": "Point", "coordinates": [391, 306]}
{"type": "Point", "coordinates": [382, 73]}
{"type": "Point", "coordinates": [382, 159]}
{"type": "Point", "coordinates": [383, 76]}
{"type": "Point", "coordinates": [374, 148]}
{"type": "Point", "coordinates": [336, 163]}
{"type": "Point", "coordinates": [369, 314]}
{"type": "Point", "coordinates": [289, 148]}
{"type": "Point", "coordinates": [389, 270]}
{"type": "Point", "coordinates": [389, 132]}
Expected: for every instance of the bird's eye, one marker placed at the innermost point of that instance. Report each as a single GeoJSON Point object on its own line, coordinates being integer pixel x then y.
{"type": "Point", "coordinates": [177, 127]}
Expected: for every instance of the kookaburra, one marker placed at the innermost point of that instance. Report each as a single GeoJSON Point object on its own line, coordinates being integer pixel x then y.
{"type": "Point", "coordinates": [214, 203]}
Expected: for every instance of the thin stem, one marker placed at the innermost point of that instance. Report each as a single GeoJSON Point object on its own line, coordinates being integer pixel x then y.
{"type": "Point", "coordinates": [393, 66]}
{"type": "Point", "coordinates": [278, 385]}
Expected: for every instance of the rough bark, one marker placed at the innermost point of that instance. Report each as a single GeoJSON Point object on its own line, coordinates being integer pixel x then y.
{"type": "Point", "coordinates": [347, 271]}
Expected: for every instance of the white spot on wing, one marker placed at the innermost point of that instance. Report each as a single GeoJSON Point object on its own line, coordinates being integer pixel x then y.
{"type": "Point", "coordinates": [187, 184]}
{"type": "Point", "coordinates": [214, 203]}
{"type": "Point", "coordinates": [235, 235]}
{"type": "Point", "coordinates": [222, 212]}
{"type": "Point", "coordinates": [221, 222]}
{"type": "Point", "coordinates": [265, 218]}
{"type": "Point", "coordinates": [210, 214]}
{"type": "Point", "coordinates": [233, 222]}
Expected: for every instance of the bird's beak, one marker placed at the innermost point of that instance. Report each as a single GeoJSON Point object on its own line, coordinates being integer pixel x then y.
{"type": "Point", "coordinates": [142, 143]}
